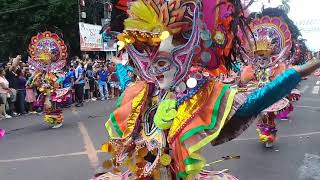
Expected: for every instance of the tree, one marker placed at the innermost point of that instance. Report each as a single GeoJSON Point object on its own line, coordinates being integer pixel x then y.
{"type": "Point", "coordinates": [94, 11]}
{"type": "Point", "coordinates": [285, 6]}
{"type": "Point", "coordinates": [22, 19]}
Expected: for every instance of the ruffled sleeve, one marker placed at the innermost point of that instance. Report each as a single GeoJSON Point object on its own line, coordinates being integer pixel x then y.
{"type": "Point", "coordinates": [124, 78]}
{"type": "Point", "coordinates": [247, 106]}
{"type": "Point", "coordinates": [264, 97]}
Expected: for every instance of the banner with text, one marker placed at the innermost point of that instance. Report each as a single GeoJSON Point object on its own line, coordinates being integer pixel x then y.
{"type": "Point", "coordinates": [90, 39]}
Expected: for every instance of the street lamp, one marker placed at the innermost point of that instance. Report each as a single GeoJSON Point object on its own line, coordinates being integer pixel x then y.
{"type": "Point", "coordinates": [82, 14]}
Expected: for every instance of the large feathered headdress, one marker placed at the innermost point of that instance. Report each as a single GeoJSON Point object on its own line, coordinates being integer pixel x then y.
{"type": "Point", "coordinates": [214, 31]}
{"type": "Point", "coordinates": [47, 52]}
{"type": "Point", "coordinates": [282, 14]}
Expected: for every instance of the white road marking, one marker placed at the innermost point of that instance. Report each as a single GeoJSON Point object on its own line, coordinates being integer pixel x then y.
{"type": "Point", "coordinates": [284, 136]}
{"type": "Point", "coordinates": [99, 151]}
{"type": "Point", "coordinates": [46, 157]}
{"type": "Point", "coordinates": [310, 168]}
{"type": "Point", "coordinates": [43, 157]}
{"type": "Point", "coordinates": [308, 107]}
{"type": "Point", "coordinates": [90, 151]}
{"type": "Point", "coordinates": [316, 90]}
{"type": "Point", "coordinates": [318, 82]}
{"type": "Point", "coordinates": [304, 89]}
{"type": "Point", "coordinates": [89, 147]}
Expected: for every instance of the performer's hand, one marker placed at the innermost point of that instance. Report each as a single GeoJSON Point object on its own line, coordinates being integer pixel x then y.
{"type": "Point", "coordinates": [116, 60]}
{"type": "Point", "coordinates": [16, 61]}
{"type": "Point", "coordinates": [308, 68]}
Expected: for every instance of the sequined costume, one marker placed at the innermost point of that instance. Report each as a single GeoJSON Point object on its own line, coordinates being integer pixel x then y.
{"type": "Point", "coordinates": [273, 49]}
{"type": "Point", "coordinates": [161, 123]}
{"type": "Point", "coordinates": [296, 55]}
{"type": "Point", "coordinates": [266, 126]}
{"type": "Point", "coordinates": [48, 57]}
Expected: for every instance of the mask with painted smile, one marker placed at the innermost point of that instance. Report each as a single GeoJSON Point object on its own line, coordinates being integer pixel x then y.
{"type": "Point", "coordinates": [164, 71]}
{"type": "Point", "coordinates": [170, 64]}
{"type": "Point", "coordinates": [262, 62]}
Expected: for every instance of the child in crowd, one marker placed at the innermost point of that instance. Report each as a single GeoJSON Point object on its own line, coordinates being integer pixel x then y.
{"type": "Point", "coordinates": [86, 89]}
{"type": "Point", "coordinates": [30, 94]}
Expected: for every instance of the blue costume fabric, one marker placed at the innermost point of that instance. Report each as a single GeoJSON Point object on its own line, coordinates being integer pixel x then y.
{"type": "Point", "coordinates": [236, 67]}
{"type": "Point", "coordinates": [122, 73]}
{"type": "Point", "coordinates": [264, 97]}
{"type": "Point", "coordinates": [256, 102]}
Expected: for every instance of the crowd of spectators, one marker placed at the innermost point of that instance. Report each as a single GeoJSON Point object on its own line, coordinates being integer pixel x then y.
{"type": "Point", "coordinates": [92, 79]}
{"type": "Point", "coordinates": [89, 80]}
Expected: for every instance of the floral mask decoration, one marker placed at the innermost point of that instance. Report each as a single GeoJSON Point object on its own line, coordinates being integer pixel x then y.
{"type": "Point", "coordinates": [270, 43]}
{"type": "Point", "coordinates": [169, 65]}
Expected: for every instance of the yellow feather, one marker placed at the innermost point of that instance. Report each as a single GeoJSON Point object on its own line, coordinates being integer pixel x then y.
{"type": "Point", "coordinates": [145, 17]}
{"type": "Point", "coordinates": [141, 11]}
{"type": "Point", "coordinates": [139, 25]}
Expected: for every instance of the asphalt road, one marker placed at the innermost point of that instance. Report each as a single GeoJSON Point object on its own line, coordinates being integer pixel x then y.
{"type": "Point", "coordinates": [33, 151]}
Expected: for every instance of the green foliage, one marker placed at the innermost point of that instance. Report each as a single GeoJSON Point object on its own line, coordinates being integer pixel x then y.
{"type": "Point", "coordinates": [22, 19]}
{"type": "Point", "coordinates": [94, 11]}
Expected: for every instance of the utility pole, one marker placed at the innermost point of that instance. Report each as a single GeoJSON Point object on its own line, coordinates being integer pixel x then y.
{"type": "Point", "coordinates": [79, 10]}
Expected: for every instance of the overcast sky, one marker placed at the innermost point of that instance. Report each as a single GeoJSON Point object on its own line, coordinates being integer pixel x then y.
{"type": "Point", "coordinates": [301, 10]}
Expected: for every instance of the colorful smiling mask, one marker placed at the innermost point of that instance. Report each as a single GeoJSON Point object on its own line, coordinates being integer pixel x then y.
{"type": "Point", "coordinates": [270, 42]}
{"type": "Point", "coordinates": [177, 35]}
{"type": "Point", "coordinates": [162, 122]}
{"type": "Point", "coordinates": [168, 65]}
{"type": "Point", "coordinates": [177, 47]}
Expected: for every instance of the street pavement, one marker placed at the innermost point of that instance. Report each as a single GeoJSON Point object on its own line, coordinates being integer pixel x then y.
{"type": "Point", "coordinates": [33, 151]}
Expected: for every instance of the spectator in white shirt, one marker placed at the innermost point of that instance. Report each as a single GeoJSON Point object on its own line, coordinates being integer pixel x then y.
{"type": "Point", "coordinates": [4, 93]}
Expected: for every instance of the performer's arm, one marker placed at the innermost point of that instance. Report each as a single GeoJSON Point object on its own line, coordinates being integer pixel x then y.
{"type": "Point", "coordinates": [122, 74]}
{"type": "Point", "coordinates": [281, 86]}
{"type": "Point", "coordinates": [308, 68]}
